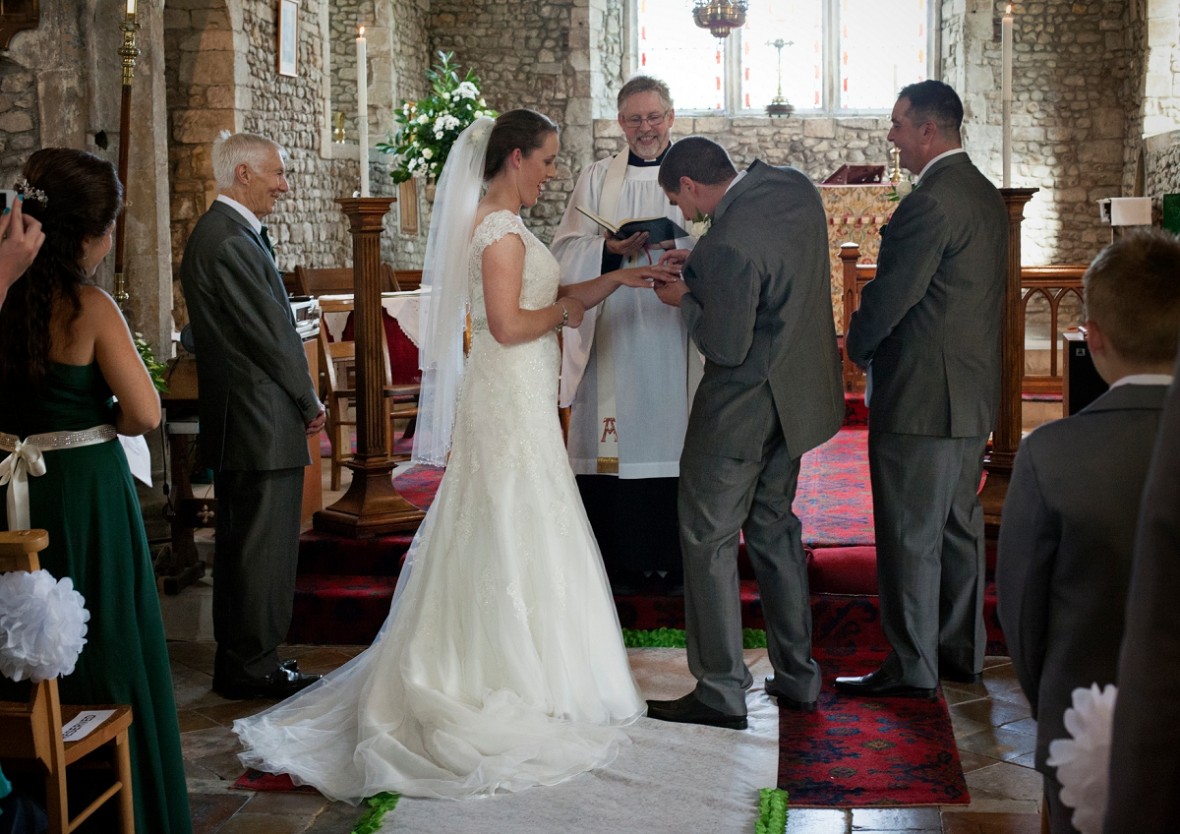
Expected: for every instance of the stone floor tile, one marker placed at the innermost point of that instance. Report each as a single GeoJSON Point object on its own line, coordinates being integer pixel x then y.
{"type": "Point", "coordinates": [924, 820]}
{"type": "Point", "coordinates": [818, 821]}
{"type": "Point", "coordinates": [999, 743]}
{"type": "Point", "coordinates": [1005, 780]}
{"type": "Point", "coordinates": [244, 823]}
{"type": "Point", "coordinates": [970, 822]}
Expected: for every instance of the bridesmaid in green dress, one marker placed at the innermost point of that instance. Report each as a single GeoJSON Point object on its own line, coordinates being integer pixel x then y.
{"type": "Point", "coordinates": [70, 376]}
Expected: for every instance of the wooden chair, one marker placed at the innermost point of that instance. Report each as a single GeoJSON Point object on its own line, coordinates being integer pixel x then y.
{"type": "Point", "coordinates": [32, 730]}
{"type": "Point", "coordinates": [338, 392]}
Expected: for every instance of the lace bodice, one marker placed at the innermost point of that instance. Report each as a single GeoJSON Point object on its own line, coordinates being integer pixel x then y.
{"type": "Point", "coordinates": [541, 271]}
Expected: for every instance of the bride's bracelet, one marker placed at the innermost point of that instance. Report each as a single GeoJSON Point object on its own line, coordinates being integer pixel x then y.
{"type": "Point", "coordinates": [565, 316]}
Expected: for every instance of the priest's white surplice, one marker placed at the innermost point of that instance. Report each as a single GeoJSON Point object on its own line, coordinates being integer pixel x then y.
{"type": "Point", "coordinates": [654, 366]}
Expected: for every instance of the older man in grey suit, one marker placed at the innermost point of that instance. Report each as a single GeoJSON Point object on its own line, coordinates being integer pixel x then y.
{"type": "Point", "coordinates": [1068, 525]}
{"type": "Point", "coordinates": [928, 331]}
{"type": "Point", "coordinates": [756, 298]}
{"type": "Point", "coordinates": [257, 405]}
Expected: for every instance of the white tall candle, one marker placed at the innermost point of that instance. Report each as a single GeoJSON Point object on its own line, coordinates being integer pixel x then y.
{"type": "Point", "coordinates": [131, 8]}
{"type": "Point", "coordinates": [1006, 92]}
{"type": "Point", "coordinates": [362, 106]}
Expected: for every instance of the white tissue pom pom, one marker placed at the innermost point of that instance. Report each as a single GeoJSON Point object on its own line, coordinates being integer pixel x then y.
{"type": "Point", "coordinates": [42, 625]}
{"type": "Point", "coordinates": [1083, 762]}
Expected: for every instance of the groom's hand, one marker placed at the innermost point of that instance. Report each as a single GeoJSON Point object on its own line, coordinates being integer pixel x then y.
{"type": "Point", "coordinates": [670, 291]}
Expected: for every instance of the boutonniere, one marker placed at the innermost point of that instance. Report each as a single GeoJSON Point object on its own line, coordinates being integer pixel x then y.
{"type": "Point", "coordinates": [901, 189]}
{"type": "Point", "coordinates": [699, 225]}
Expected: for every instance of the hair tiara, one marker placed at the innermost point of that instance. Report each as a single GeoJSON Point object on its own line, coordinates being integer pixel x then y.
{"type": "Point", "coordinates": [30, 192]}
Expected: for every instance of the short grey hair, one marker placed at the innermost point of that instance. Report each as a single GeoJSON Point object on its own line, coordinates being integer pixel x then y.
{"type": "Point", "coordinates": [645, 84]}
{"type": "Point", "coordinates": [230, 151]}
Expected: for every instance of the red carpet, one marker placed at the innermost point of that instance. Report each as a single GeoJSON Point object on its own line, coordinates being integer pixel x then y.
{"type": "Point", "coordinates": [256, 780]}
{"type": "Point", "coordinates": [345, 585]}
{"type": "Point", "coordinates": [861, 752]}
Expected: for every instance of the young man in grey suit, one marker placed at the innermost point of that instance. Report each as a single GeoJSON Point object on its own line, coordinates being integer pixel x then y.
{"type": "Point", "coordinates": [756, 297]}
{"type": "Point", "coordinates": [928, 333]}
{"type": "Point", "coordinates": [1068, 525]}
{"type": "Point", "coordinates": [1145, 746]}
{"type": "Point", "coordinates": [257, 406]}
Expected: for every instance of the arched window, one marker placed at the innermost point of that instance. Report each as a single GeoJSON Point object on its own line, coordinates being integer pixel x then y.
{"type": "Point", "coordinates": [840, 56]}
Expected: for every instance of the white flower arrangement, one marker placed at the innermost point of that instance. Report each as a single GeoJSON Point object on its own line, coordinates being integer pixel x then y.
{"type": "Point", "coordinates": [427, 128]}
{"type": "Point", "coordinates": [901, 190]}
{"type": "Point", "coordinates": [42, 625]}
{"type": "Point", "coordinates": [1083, 760]}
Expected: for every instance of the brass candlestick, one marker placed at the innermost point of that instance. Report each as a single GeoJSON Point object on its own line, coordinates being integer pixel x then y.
{"type": "Point", "coordinates": [779, 106]}
{"type": "Point", "coordinates": [895, 164]}
{"type": "Point", "coordinates": [338, 129]}
{"type": "Point", "coordinates": [128, 52]}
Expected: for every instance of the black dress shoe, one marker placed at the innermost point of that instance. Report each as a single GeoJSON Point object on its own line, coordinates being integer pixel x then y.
{"type": "Point", "coordinates": [688, 710]}
{"type": "Point", "coordinates": [880, 685]}
{"type": "Point", "coordinates": [787, 702]}
{"type": "Point", "coordinates": [282, 683]}
{"type": "Point", "coordinates": [961, 677]}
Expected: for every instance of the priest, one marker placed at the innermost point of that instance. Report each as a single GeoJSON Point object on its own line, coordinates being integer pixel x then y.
{"type": "Point", "coordinates": [629, 372]}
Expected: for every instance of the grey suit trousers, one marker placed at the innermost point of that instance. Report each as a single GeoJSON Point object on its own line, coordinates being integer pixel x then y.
{"type": "Point", "coordinates": [930, 552]}
{"type": "Point", "coordinates": [254, 566]}
{"type": "Point", "coordinates": [719, 497]}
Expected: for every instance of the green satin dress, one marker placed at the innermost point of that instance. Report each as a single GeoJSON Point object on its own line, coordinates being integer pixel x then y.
{"type": "Point", "coordinates": [87, 501]}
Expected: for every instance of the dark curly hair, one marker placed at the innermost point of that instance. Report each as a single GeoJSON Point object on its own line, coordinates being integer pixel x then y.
{"type": "Point", "coordinates": [83, 197]}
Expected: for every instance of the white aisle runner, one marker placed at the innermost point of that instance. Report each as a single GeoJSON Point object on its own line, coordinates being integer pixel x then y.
{"type": "Point", "coordinates": [671, 779]}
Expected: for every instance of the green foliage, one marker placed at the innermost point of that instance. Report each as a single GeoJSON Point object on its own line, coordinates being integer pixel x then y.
{"type": "Point", "coordinates": [155, 368]}
{"type": "Point", "coordinates": [772, 811]}
{"type": "Point", "coordinates": [427, 128]}
{"type": "Point", "coordinates": [673, 638]}
{"type": "Point", "coordinates": [379, 806]}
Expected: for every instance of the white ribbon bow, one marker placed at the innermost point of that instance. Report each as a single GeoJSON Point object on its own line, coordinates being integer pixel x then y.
{"type": "Point", "coordinates": [26, 459]}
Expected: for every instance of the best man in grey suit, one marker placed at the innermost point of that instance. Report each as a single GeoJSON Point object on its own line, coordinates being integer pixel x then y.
{"type": "Point", "coordinates": [1068, 525]}
{"type": "Point", "coordinates": [257, 406]}
{"type": "Point", "coordinates": [928, 331]}
{"type": "Point", "coordinates": [756, 298]}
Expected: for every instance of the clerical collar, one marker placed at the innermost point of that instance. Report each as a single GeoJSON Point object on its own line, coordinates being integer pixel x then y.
{"type": "Point", "coordinates": [634, 160]}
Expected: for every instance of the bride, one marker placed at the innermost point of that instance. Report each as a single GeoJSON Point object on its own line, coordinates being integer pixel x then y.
{"type": "Point", "coordinates": [500, 665]}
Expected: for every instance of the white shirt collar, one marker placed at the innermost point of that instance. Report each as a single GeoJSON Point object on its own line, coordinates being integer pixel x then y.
{"type": "Point", "coordinates": [1143, 379]}
{"type": "Point", "coordinates": [735, 181]}
{"type": "Point", "coordinates": [942, 155]}
{"type": "Point", "coordinates": [249, 216]}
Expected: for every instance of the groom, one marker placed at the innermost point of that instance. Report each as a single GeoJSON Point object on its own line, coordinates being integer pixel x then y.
{"type": "Point", "coordinates": [755, 296]}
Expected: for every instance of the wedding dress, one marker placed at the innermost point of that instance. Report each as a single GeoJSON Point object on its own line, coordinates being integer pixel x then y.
{"type": "Point", "coordinates": [500, 665]}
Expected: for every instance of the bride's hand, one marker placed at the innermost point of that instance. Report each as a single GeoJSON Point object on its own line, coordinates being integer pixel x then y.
{"type": "Point", "coordinates": [575, 308]}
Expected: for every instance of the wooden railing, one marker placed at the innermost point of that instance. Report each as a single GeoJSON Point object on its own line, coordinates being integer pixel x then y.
{"type": "Point", "coordinates": [1052, 283]}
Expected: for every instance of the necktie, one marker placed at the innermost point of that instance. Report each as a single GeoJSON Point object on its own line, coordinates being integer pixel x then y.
{"type": "Point", "coordinates": [266, 242]}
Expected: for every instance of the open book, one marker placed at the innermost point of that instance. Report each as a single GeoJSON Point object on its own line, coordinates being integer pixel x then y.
{"type": "Point", "coordinates": [659, 229]}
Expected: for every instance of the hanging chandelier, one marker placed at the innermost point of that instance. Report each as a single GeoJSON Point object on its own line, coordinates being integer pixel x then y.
{"type": "Point", "coordinates": [779, 106]}
{"type": "Point", "coordinates": [720, 16]}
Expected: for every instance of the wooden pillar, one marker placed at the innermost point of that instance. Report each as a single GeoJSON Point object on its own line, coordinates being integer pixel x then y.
{"type": "Point", "coordinates": [372, 505]}
{"type": "Point", "coordinates": [1006, 435]}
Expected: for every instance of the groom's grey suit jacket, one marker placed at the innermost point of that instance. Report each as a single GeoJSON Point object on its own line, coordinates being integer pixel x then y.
{"type": "Point", "coordinates": [760, 310]}
{"type": "Point", "coordinates": [255, 393]}
{"type": "Point", "coordinates": [930, 321]}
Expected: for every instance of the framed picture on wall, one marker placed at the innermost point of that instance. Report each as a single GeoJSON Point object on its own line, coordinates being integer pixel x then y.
{"type": "Point", "coordinates": [288, 37]}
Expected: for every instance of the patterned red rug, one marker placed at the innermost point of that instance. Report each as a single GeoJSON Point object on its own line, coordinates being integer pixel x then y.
{"type": "Point", "coordinates": [834, 500]}
{"type": "Point", "coordinates": [863, 752]}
